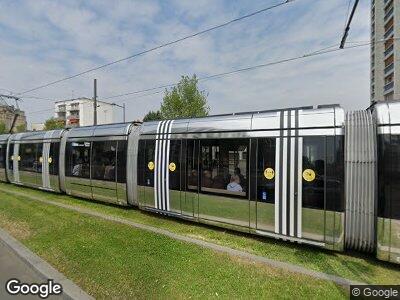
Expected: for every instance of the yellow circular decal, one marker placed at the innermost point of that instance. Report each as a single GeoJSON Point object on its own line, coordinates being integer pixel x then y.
{"type": "Point", "coordinates": [269, 173]}
{"type": "Point", "coordinates": [41, 159]}
{"type": "Point", "coordinates": [12, 157]}
{"type": "Point", "coordinates": [50, 160]}
{"type": "Point", "coordinates": [309, 175]}
{"type": "Point", "coordinates": [150, 165]}
{"type": "Point", "coordinates": [19, 158]}
{"type": "Point", "coordinates": [172, 167]}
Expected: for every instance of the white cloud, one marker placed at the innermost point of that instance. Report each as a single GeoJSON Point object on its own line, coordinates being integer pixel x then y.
{"type": "Point", "coordinates": [53, 39]}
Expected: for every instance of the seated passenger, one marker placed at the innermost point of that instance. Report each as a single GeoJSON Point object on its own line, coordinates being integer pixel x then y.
{"type": "Point", "coordinates": [241, 177]}
{"type": "Point", "coordinates": [207, 181]}
{"type": "Point", "coordinates": [77, 169]}
{"type": "Point", "coordinates": [234, 185]}
{"type": "Point", "coordinates": [219, 181]}
{"type": "Point", "coordinates": [192, 180]}
{"type": "Point", "coordinates": [109, 171]}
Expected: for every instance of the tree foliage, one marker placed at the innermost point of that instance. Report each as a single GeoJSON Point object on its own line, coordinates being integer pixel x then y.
{"type": "Point", "coordinates": [153, 116]}
{"type": "Point", "coordinates": [53, 123]}
{"type": "Point", "coordinates": [3, 128]}
{"type": "Point", "coordinates": [185, 100]}
{"type": "Point", "coordinates": [21, 128]}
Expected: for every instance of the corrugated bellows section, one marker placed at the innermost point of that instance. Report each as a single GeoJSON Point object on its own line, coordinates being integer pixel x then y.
{"type": "Point", "coordinates": [360, 163]}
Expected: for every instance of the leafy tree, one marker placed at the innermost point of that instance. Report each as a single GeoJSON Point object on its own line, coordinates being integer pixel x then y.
{"type": "Point", "coordinates": [3, 128]}
{"type": "Point", "coordinates": [53, 123]}
{"type": "Point", "coordinates": [21, 128]}
{"type": "Point", "coordinates": [185, 100]}
{"type": "Point", "coordinates": [153, 116]}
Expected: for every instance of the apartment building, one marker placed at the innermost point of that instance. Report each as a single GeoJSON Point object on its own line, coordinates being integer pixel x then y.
{"type": "Point", "coordinates": [385, 65]}
{"type": "Point", "coordinates": [80, 112]}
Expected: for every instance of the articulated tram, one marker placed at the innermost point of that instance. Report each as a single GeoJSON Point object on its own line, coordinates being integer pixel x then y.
{"type": "Point", "coordinates": [313, 175]}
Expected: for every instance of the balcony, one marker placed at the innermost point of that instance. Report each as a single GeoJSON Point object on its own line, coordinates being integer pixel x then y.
{"type": "Point", "coordinates": [389, 14]}
{"type": "Point", "coordinates": [61, 108]}
{"type": "Point", "coordinates": [389, 32]}
{"type": "Point", "coordinates": [389, 68]}
{"type": "Point", "coordinates": [388, 87]}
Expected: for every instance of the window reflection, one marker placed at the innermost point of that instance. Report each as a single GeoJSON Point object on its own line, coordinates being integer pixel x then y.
{"type": "Point", "coordinates": [103, 160]}
{"type": "Point", "coordinates": [224, 166]}
{"type": "Point", "coordinates": [78, 159]}
{"type": "Point", "coordinates": [3, 155]}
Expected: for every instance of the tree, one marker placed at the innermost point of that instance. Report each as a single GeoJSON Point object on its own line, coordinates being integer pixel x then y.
{"type": "Point", "coordinates": [153, 116]}
{"type": "Point", "coordinates": [3, 128]}
{"type": "Point", "coordinates": [185, 100]}
{"type": "Point", "coordinates": [53, 123]}
{"type": "Point", "coordinates": [21, 128]}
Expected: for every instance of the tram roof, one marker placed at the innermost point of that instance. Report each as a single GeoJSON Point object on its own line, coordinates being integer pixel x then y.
{"type": "Point", "coordinates": [119, 129]}
{"type": "Point", "coordinates": [4, 137]}
{"type": "Point", "coordinates": [309, 117]}
{"type": "Point", "coordinates": [37, 135]}
{"type": "Point", "coordinates": [387, 112]}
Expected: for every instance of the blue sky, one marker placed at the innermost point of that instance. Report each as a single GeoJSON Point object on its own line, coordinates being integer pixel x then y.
{"type": "Point", "coordinates": [46, 40]}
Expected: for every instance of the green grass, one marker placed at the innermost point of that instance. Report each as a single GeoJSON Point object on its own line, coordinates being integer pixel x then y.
{"type": "Point", "coordinates": [111, 260]}
{"type": "Point", "coordinates": [365, 268]}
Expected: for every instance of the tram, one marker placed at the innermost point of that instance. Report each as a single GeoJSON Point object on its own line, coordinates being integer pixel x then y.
{"type": "Point", "coordinates": [312, 175]}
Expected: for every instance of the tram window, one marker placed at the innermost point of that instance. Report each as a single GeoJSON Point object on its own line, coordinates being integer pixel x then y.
{"type": "Point", "coordinates": [266, 170]}
{"type": "Point", "coordinates": [53, 158]}
{"type": "Point", "coordinates": [3, 148]}
{"type": "Point", "coordinates": [78, 159]}
{"type": "Point", "coordinates": [224, 166]}
{"type": "Point", "coordinates": [384, 175]}
{"type": "Point", "coordinates": [395, 177]}
{"type": "Point", "coordinates": [103, 160]}
{"type": "Point", "coordinates": [39, 155]}
{"type": "Point", "coordinates": [335, 173]}
{"type": "Point", "coordinates": [29, 161]}
{"type": "Point", "coordinates": [10, 157]}
{"type": "Point", "coordinates": [192, 166]}
{"type": "Point", "coordinates": [121, 161]}
{"type": "Point", "coordinates": [175, 159]}
{"type": "Point", "coordinates": [314, 159]}
{"type": "Point", "coordinates": [146, 162]}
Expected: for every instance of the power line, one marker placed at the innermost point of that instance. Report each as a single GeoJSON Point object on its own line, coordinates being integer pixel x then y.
{"type": "Point", "coordinates": [325, 50]}
{"type": "Point", "coordinates": [160, 46]}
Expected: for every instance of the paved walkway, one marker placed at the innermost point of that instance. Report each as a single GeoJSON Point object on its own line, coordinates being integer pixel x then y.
{"type": "Point", "coordinates": [242, 254]}
{"type": "Point", "coordinates": [17, 261]}
{"type": "Point", "coordinates": [12, 266]}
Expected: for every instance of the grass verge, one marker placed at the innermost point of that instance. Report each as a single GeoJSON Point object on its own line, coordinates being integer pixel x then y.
{"type": "Point", "coordinates": [111, 260]}
{"type": "Point", "coordinates": [355, 266]}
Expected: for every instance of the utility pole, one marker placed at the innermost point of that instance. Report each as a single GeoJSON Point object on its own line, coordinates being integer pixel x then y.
{"type": "Point", "coordinates": [123, 107]}
{"type": "Point", "coordinates": [347, 29]}
{"type": "Point", "coordinates": [95, 102]}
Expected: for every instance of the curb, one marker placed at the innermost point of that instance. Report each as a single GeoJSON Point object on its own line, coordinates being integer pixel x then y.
{"type": "Point", "coordinates": [42, 268]}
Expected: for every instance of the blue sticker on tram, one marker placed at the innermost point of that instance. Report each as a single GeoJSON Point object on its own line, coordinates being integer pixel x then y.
{"type": "Point", "coordinates": [264, 196]}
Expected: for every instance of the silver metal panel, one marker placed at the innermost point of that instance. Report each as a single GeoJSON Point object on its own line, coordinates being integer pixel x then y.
{"type": "Point", "coordinates": [45, 162]}
{"type": "Point", "coordinates": [105, 191]}
{"type": "Point", "coordinates": [80, 132]}
{"type": "Point", "coordinates": [112, 129]}
{"type": "Point", "coordinates": [395, 241]}
{"type": "Point", "coordinates": [212, 124]}
{"type": "Point", "coordinates": [28, 137]}
{"type": "Point", "coordinates": [131, 168]}
{"type": "Point", "coordinates": [264, 121]}
{"type": "Point", "coordinates": [61, 162]}
{"type": "Point", "coordinates": [360, 174]}
{"type": "Point", "coordinates": [316, 118]}
{"type": "Point", "coordinates": [4, 138]}
{"type": "Point", "coordinates": [80, 187]}
{"type": "Point", "coordinates": [383, 239]}
{"type": "Point", "coordinates": [9, 171]}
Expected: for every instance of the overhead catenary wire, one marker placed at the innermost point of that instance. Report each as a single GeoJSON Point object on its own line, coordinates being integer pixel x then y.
{"type": "Point", "coordinates": [322, 51]}
{"type": "Point", "coordinates": [176, 41]}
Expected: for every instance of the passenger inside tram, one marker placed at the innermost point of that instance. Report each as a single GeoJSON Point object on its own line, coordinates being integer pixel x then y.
{"type": "Point", "coordinates": [234, 185]}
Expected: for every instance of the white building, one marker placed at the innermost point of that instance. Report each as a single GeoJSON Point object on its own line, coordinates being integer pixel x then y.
{"type": "Point", "coordinates": [385, 63]}
{"type": "Point", "coordinates": [80, 112]}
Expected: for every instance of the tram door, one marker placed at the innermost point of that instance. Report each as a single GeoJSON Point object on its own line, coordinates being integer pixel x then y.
{"type": "Point", "coordinates": [313, 194]}
{"type": "Point", "coordinates": [174, 176]}
{"type": "Point", "coordinates": [291, 186]}
{"type": "Point", "coordinates": [190, 181]}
